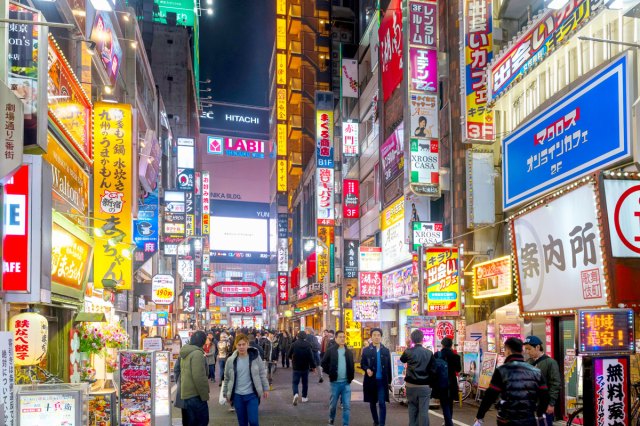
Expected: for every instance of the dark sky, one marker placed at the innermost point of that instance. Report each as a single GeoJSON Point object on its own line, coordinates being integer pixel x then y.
{"type": "Point", "coordinates": [235, 50]}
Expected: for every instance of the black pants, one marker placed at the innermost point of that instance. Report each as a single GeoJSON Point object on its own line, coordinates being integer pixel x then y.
{"type": "Point", "coordinates": [285, 359]}
{"type": "Point", "coordinates": [197, 411]}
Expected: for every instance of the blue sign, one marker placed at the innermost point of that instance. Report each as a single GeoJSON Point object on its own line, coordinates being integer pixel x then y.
{"type": "Point", "coordinates": [586, 130]}
{"type": "Point", "coordinates": [145, 227]}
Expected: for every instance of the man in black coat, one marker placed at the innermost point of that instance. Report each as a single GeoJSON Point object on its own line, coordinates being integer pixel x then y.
{"type": "Point", "coordinates": [455, 366]}
{"type": "Point", "coordinates": [302, 360]}
{"type": "Point", "coordinates": [338, 363]}
{"type": "Point", "coordinates": [376, 363]}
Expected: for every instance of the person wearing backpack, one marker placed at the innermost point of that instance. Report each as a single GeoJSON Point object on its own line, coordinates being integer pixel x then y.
{"type": "Point", "coordinates": [447, 365]}
{"type": "Point", "coordinates": [420, 373]}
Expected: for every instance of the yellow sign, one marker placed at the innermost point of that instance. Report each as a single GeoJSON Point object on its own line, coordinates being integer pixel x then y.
{"type": "Point", "coordinates": [281, 7]}
{"type": "Point", "coordinates": [190, 228]}
{"type": "Point", "coordinates": [71, 253]}
{"type": "Point", "coordinates": [282, 175]}
{"type": "Point", "coordinates": [326, 235]}
{"type": "Point", "coordinates": [112, 193]}
{"type": "Point", "coordinates": [205, 224]}
{"type": "Point", "coordinates": [281, 68]}
{"type": "Point", "coordinates": [282, 139]}
{"type": "Point", "coordinates": [281, 33]}
{"type": "Point", "coordinates": [352, 330]}
{"type": "Point", "coordinates": [281, 103]}
{"type": "Point", "coordinates": [443, 282]}
{"type": "Point", "coordinates": [392, 214]}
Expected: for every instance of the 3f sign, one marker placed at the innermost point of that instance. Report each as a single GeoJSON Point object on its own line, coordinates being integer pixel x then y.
{"type": "Point", "coordinates": [15, 214]}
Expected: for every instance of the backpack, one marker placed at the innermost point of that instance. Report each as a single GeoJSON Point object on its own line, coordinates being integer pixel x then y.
{"type": "Point", "coordinates": [440, 370]}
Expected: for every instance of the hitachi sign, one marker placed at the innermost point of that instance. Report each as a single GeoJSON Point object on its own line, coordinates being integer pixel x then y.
{"type": "Point", "coordinates": [241, 119]}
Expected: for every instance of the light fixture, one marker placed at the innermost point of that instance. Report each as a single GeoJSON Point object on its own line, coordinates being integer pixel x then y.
{"type": "Point", "coordinates": [108, 90]}
{"type": "Point", "coordinates": [102, 5]}
{"type": "Point", "coordinates": [134, 44]}
{"type": "Point", "coordinates": [127, 253]}
{"type": "Point", "coordinates": [209, 11]}
{"type": "Point", "coordinates": [207, 81]}
{"type": "Point", "coordinates": [557, 4]}
{"type": "Point", "coordinates": [98, 232]}
{"type": "Point", "coordinates": [208, 89]}
{"type": "Point", "coordinates": [114, 241]}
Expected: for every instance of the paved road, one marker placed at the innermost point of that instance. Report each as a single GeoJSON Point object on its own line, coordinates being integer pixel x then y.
{"type": "Point", "coordinates": [278, 408]}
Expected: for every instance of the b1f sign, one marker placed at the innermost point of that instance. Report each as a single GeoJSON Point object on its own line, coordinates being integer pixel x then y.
{"type": "Point", "coordinates": [15, 241]}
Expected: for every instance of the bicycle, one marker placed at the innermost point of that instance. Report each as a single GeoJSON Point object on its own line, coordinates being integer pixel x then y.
{"type": "Point", "coordinates": [465, 386]}
{"type": "Point", "coordinates": [577, 416]}
{"type": "Point", "coordinates": [635, 406]}
{"type": "Point", "coordinates": [398, 390]}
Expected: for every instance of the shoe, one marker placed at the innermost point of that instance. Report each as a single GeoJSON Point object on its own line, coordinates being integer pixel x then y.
{"type": "Point", "coordinates": [305, 399]}
{"type": "Point", "coordinates": [295, 399]}
{"type": "Point", "coordinates": [330, 423]}
{"type": "Point", "coordinates": [321, 380]}
{"type": "Point", "coordinates": [231, 409]}
{"type": "Point", "coordinates": [220, 384]}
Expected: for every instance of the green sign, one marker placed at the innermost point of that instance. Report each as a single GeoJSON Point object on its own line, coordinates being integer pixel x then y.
{"type": "Point", "coordinates": [184, 10]}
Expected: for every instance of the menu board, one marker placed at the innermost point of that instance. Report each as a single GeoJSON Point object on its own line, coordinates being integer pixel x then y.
{"type": "Point", "coordinates": [101, 409]}
{"type": "Point", "coordinates": [163, 401]}
{"type": "Point", "coordinates": [51, 409]}
{"type": "Point", "coordinates": [136, 397]}
{"type": "Point", "coordinates": [487, 368]}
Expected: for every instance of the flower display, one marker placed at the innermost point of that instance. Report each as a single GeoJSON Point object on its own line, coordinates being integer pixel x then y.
{"type": "Point", "coordinates": [115, 336]}
{"type": "Point", "coordinates": [91, 339]}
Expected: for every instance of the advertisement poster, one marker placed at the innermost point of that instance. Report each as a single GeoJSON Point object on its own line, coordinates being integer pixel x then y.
{"type": "Point", "coordinates": [366, 309]}
{"type": "Point", "coordinates": [390, 36]}
{"type": "Point", "coordinates": [471, 359]}
{"type": "Point", "coordinates": [395, 250]}
{"type": "Point", "coordinates": [392, 154]}
{"type": "Point", "coordinates": [443, 286]}
{"type": "Point", "coordinates": [397, 367]}
{"type": "Point", "coordinates": [423, 110]}
{"type": "Point", "coordinates": [136, 396]}
{"type": "Point", "coordinates": [49, 408]}
{"type": "Point", "coordinates": [492, 278]}
{"type": "Point", "coordinates": [353, 330]}
{"type": "Point", "coordinates": [486, 371]}
{"type": "Point", "coordinates": [399, 283]}
{"type": "Point", "coordinates": [107, 45]}
{"type": "Point", "coordinates": [163, 289]}
{"type": "Point", "coordinates": [162, 407]}
{"type": "Point", "coordinates": [370, 259]}
{"type": "Point", "coordinates": [612, 396]}
{"type": "Point", "coordinates": [349, 78]}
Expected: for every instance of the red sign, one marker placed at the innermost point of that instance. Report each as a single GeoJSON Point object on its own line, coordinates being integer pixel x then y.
{"type": "Point", "coordinates": [549, 340]}
{"type": "Point", "coordinates": [240, 309]}
{"type": "Point", "coordinates": [15, 242]}
{"type": "Point", "coordinates": [351, 202]}
{"type": "Point", "coordinates": [390, 35]}
{"type": "Point", "coordinates": [283, 289]}
{"type": "Point", "coordinates": [445, 328]}
{"type": "Point", "coordinates": [370, 284]}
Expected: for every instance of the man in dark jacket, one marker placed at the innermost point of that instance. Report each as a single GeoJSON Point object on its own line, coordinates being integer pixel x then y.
{"type": "Point", "coordinates": [550, 372]}
{"type": "Point", "coordinates": [253, 342]}
{"type": "Point", "coordinates": [284, 343]}
{"type": "Point", "coordinates": [376, 363]}
{"type": "Point", "coordinates": [302, 360]}
{"type": "Point", "coordinates": [315, 347]}
{"type": "Point", "coordinates": [194, 386]}
{"type": "Point", "coordinates": [521, 388]}
{"type": "Point", "coordinates": [454, 366]}
{"type": "Point", "coordinates": [338, 363]}
{"type": "Point", "coordinates": [417, 379]}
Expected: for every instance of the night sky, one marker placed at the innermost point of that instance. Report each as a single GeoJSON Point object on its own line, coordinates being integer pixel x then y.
{"type": "Point", "coordinates": [235, 50]}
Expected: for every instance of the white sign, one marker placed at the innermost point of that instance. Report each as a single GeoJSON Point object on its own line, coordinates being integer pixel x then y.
{"type": "Point", "coordinates": [325, 196]}
{"type": "Point", "coordinates": [366, 309]}
{"type": "Point", "coordinates": [424, 115]}
{"type": "Point", "coordinates": [349, 78]}
{"type": "Point", "coordinates": [394, 248]}
{"type": "Point", "coordinates": [425, 162]}
{"type": "Point", "coordinates": [426, 234]}
{"type": "Point", "coordinates": [163, 289]}
{"type": "Point", "coordinates": [623, 212]}
{"type": "Point", "coordinates": [11, 131]}
{"type": "Point", "coordinates": [241, 309]}
{"type": "Point", "coordinates": [8, 373]}
{"type": "Point", "coordinates": [152, 344]}
{"type": "Point", "coordinates": [186, 270]}
{"type": "Point", "coordinates": [370, 259]}
{"type": "Point", "coordinates": [350, 142]}
{"type": "Point", "coordinates": [236, 289]}
{"type": "Point", "coordinates": [558, 253]}
{"type": "Point", "coordinates": [283, 255]}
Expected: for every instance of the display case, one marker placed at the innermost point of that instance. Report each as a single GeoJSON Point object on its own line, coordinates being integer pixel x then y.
{"type": "Point", "coordinates": [53, 405]}
{"type": "Point", "coordinates": [162, 404]}
{"type": "Point", "coordinates": [102, 408]}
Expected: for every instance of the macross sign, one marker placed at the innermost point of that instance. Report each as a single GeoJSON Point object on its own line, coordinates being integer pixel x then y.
{"type": "Point", "coordinates": [586, 130]}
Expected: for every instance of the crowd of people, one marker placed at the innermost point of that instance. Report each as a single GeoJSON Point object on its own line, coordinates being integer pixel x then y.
{"type": "Point", "coordinates": [527, 390]}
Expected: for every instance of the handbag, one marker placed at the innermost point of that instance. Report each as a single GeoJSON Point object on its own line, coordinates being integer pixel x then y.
{"type": "Point", "coordinates": [221, 398]}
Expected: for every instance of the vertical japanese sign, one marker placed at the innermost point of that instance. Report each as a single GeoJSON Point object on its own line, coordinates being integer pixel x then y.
{"type": "Point", "coordinates": [351, 202]}
{"type": "Point", "coordinates": [612, 395]}
{"type": "Point", "coordinates": [390, 36]}
{"type": "Point", "coordinates": [442, 281]}
{"type": "Point", "coordinates": [206, 202]}
{"type": "Point", "coordinates": [370, 284]}
{"type": "Point", "coordinates": [281, 103]}
{"type": "Point", "coordinates": [350, 142]}
{"type": "Point", "coordinates": [423, 115]}
{"type": "Point", "coordinates": [7, 380]}
{"type": "Point", "coordinates": [325, 196]}
{"type": "Point", "coordinates": [16, 232]}
{"type": "Point", "coordinates": [146, 226]}
{"type": "Point", "coordinates": [351, 258]}
{"type": "Point", "coordinates": [324, 259]}
{"type": "Point", "coordinates": [12, 131]}
{"type": "Point", "coordinates": [282, 140]}
{"type": "Point", "coordinates": [477, 122]}
{"type": "Point", "coordinates": [349, 78]}
{"type": "Point", "coordinates": [283, 289]}
{"type": "Point", "coordinates": [281, 68]}
{"type": "Point", "coordinates": [283, 255]}
{"type": "Point", "coordinates": [112, 192]}
{"type": "Point", "coordinates": [324, 138]}
{"type": "Point", "coordinates": [281, 170]}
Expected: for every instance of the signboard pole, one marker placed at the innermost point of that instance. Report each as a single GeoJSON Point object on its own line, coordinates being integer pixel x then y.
{"type": "Point", "coordinates": [421, 281]}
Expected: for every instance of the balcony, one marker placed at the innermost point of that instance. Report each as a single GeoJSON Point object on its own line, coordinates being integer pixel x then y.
{"type": "Point", "coordinates": [295, 9]}
{"type": "Point", "coordinates": [295, 121]}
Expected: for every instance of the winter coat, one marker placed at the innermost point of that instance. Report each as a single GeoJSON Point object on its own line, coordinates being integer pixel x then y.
{"type": "Point", "coordinates": [258, 374]}
{"type": "Point", "coordinates": [454, 366]}
{"type": "Point", "coordinates": [193, 373]}
{"type": "Point", "coordinates": [313, 341]}
{"type": "Point", "coordinates": [224, 349]}
{"type": "Point", "coordinates": [212, 353]}
{"type": "Point", "coordinates": [284, 343]}
{"type": "Point", "coordinates": [330, 363]}
{"type": "Point", "coordinates": [301, 355]}
{"type": "Point", "coordinates": [419, 366]}
{"type": "Point", "coordinates": [551, 374]}
{"type": "Point", "coordinates": [176, 374]}
{"type": "Point", "coordinates": [368, 362]}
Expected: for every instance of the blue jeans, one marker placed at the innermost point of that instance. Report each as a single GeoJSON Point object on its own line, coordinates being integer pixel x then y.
{"type": "Point", "coordinates": [221, 364]}
{"type": "Point", "coordinates": [548, 418]}
{"type": "Point", "coordinates": [197, 411]}
{"type": "Point", "coordinates": [382, 392]}
{"type": "Point", "coordinates": [246, 409]}
{"type": "Point", "coordinates": [447, 410]}
{"type": "Point", "coordinates": [340, 390]}
{"type": "Point", "coordinates": [295, 380]}
{"type": "Point", "coordinates": [212, 372]}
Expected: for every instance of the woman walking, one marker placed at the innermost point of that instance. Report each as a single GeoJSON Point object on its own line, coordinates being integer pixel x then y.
{"type": "Point", "coordinates": [284, 343]}
{"type": "Point", "coordinates": [245, 382]}
{"type": "Point", "coordinates": [224, 350]}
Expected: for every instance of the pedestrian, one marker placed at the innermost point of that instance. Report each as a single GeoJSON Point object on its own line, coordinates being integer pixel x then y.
{"type": "Point", "coordinates": [324, 343]}
{"type": "Point", "coordinates": [246, 381]}
{"type": "Point", "coordinates": [550, 372]}
{"type": "Point", "coordinates": [224, 350]}
{"type": "Point", "coordinates": [523, 393]}
{"type": "Point", "coordinates": [210, 349]}
{"type": "Point", "coordinates": [376, 363]}
{"type": "Point", "coordinates": [315, 346]}
{"type": "Point", "coordinates": [417, 379]}
{"type": "Point", "coordinates": [194, 386]}
{"type": "Point", "coordinates": [284, 344]}
{"type": "Point", "coordinates": [454, 366]}
{"type": "Point", "coordinates": [302, 361]}
{"type": "Point", "coordinates": [254, 343]}
{"type": "Point", "coordinates": [179, 403]}
{"type": "Point", "coordinates": [338, 364]}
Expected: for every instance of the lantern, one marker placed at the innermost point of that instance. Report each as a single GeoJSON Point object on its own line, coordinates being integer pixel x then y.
{"type": "Point", "coordinates": [30, 338]}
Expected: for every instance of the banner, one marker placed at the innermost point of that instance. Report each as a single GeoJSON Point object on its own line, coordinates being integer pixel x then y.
{"type": "Point", "coordinates": [283, 289]}
{"type": "Point", "coordinates": [350, 141]}
{"type": "Point", "coordinates": [477, 120]}
{"type": "Point", "coordinates": [112, 185]}
{"type": "Point", "coordinates": [107, 46]}
{"type": "Point", "coordinates": [351, 202]}
{"type": "Point", "coordinates": [349, 78]}
{"type": "Point", "coordinates": [390, 36]}
{"type": "Point", "coordinates": [611, 391]}
{"type": "Point", "coordinates": [442, 281]}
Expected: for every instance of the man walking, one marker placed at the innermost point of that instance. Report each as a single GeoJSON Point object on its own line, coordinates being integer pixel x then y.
{"type": "Point", "coordinates": [550, 372]}
{"type": "Point", "coordinates": [454, 366]}
{"type": "Point", "coordinates": [302, 360]}
{"type": "Point", "coordinates": [521, 388]}
{"type": "Point", "coordinates": [419, 361]}
{"type": "Point", "coordinates": [338, 363]}
{"type": "Point", "coordinates": [194, 386]}
{"type": "Point", "coordinates": [315, 347]}
{"type": "Point", "coordinates": [376, 363]}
